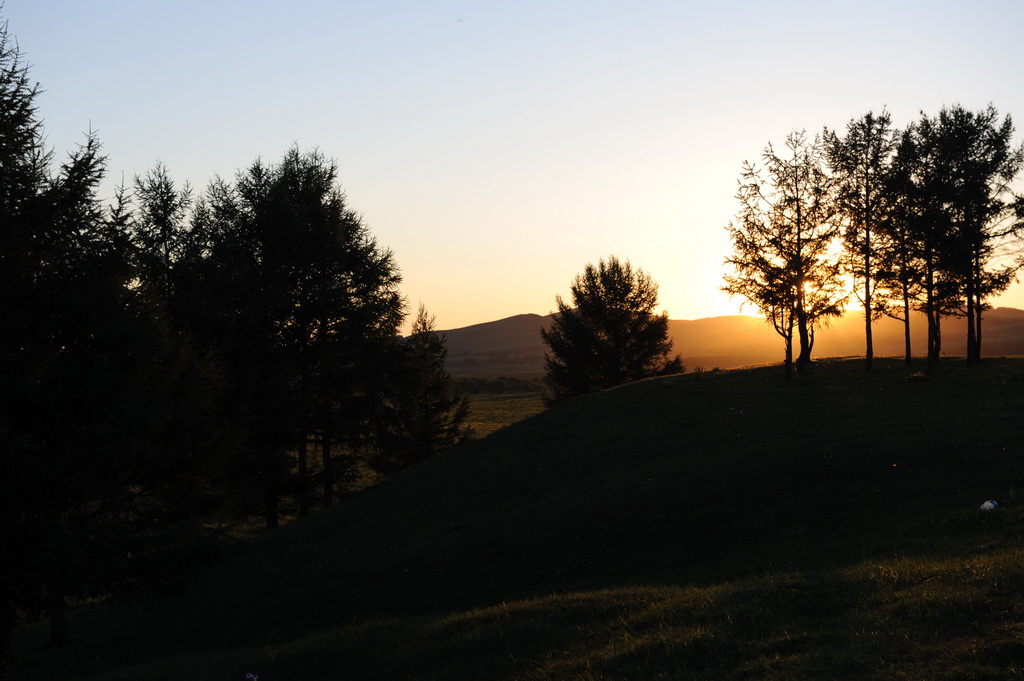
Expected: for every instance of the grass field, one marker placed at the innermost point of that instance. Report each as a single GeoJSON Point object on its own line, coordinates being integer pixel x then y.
{"type": "Point", "coordinates": [488, 413]}
{"type": "Point", "coordinates": [727, 525]}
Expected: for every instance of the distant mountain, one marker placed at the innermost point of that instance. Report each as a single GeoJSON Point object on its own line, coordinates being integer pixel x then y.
{"type": "Point", "coordinates": [508, 346]}
{"type": "Point", "coordinates": [513, 346]}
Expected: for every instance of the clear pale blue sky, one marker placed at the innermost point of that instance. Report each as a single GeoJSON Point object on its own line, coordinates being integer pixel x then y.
{"type": "Point", "coordinates": [497, 147]}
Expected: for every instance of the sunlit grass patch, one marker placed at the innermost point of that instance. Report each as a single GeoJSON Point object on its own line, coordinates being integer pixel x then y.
{"type": "Point", "coordinates": [490, 412]}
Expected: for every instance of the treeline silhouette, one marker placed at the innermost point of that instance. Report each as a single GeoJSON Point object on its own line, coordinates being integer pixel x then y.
{"type": "Point", "coordinates": [178, 362]}
{"type": "Point", "coordinates": [921, 219]}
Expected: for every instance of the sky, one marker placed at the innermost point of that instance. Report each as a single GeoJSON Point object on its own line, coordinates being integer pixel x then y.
{"type": "Point", "coordinates": [497, 147]}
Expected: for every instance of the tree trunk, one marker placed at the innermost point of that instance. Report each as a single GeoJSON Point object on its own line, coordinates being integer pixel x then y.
{"type": "Point", "coordinates": [934, 339]}
{"type": "Point", "coordinates": [789, 355]}
{"type": "Point", "coordinates": [908, 361]}
{"type": "Point", "coordinates": [804, 358]}
{"type": "Point", "coordinates": [974, 312]}
{"type": "Point", "coordinates": [328, 470]}
{"type": "Point", "coordinates": [869, 350]}
{"type": "Point", "coordinates": [977, 332]}
{"type": "Point", "coordinates": [972, 342]}
{"type": "Point", "coordinates": [932, 314]}
{"type": "Point", "coordinates": [869, 347]}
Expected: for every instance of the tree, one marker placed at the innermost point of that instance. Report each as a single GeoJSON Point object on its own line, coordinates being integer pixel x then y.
{"type": "Point", "coordinates": [159, 230]}
{"type": "Point", "coordinates": [303, 303]}
{"type": "Point", "coordinates": [899, 272]}
{"type": "Point", "coordinates": [23, 166]}
{"type": "Point", "coordinates": [954, 171]}
{"type": "Point", "coordinates": [423, 415]}
{"type": "Point", "coordinates": [783, 241]}
{"type": "Point", "coordinates": [860, 163]}
{"type": "Point", "coordinates": [979, 162]}
{"type": "Point", "coordinates": [610, 334]}
{"type": "Point", "coordinates": [97, 503]}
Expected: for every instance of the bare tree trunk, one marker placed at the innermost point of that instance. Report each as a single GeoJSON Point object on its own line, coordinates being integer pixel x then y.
{"type": "Point", "coordinates": [977, 333]}
{"type": "Point", "coordinates": [932, 315]}
{"type": "Point", "coordinates": [869, 349]}
{"type": "Point", "coordinates": [789, 355]}
{"type": "Point", "coordinates": [908, 361]}
{"type": "Point", "coordinates": [934, 339]}
{"type": "Point", "coordinates": [973, 356]}
{"type": "Point", "coordinates": [974, 310]}
{"type": "Point", "coordinates": [804, 358]}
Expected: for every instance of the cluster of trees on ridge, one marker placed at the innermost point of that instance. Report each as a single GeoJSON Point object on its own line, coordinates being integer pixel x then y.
{"type": "Point", "coordinates": [172, 363]}
{"type": "Point", "coordinates": [920, 219]}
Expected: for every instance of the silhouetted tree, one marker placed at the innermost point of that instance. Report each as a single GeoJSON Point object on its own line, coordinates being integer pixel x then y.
{"type": "Point", "coordinates": [978, 162]}
{"type": "Point", "coordinates": [160, 230]}
{"type": "Point", "coordinates": [899, 271]}
{"type": "Point", "coordinates": [954, 169]}
{"type": "Point", "coordinates": [23, 165]}
{"type": "Point", "coordinates": [860, 162]}
{"type": "Point", "coordinates": [783, 241]}
{"type": "Point", "coordinates": [92, 389]}
{"type": "Point", "coordinates": [304, 303]}
{"type": "Point", "coordinates": [424, 415]}
{"type": "Point", "coordinates": [610, 334]}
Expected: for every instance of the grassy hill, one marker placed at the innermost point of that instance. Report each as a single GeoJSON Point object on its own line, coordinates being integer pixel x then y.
{"type": "Point", "coordinates": [719, 525]}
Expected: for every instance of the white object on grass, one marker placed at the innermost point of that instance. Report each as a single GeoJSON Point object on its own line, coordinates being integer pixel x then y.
{"type": "Point", "coordinates": [989, 505]}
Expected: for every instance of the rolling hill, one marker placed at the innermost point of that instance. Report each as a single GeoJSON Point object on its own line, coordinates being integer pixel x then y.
{"type": "Point", "coordinates": [513, 345]}
{"type": "Point", "coordinates": [718, 526]}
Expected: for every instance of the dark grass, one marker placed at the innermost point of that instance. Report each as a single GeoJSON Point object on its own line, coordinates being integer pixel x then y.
{"type": "Point", "coordinates": [724, 525]}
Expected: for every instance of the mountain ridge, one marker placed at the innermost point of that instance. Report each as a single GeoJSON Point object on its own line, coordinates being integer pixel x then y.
{"type": "Point", "coordinates": [513, 345]}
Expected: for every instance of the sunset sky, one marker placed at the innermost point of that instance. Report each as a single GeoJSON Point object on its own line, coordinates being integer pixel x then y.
{"type": "Point", "coordinates": [497, 147]}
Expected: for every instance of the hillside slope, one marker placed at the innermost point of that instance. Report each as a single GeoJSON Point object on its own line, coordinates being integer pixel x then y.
{"type": "Point", "coordinates": [689, 480]}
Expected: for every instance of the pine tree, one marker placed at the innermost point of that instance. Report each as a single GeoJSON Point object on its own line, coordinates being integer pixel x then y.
{"type": "Point", "coordinates": [610, 334]}
{"type": "Point", "coordinates": [92, 389]}
{"type": "Point", "coordinates": [424, 414]}
{"type": "Point", "coordinates": [302, 302]}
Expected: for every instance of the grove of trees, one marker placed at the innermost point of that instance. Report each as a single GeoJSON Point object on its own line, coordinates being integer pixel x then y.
{"type": "Point", "coordinates": [920, 219]}
{"type": "Point", "coordinates": [174, 362]}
